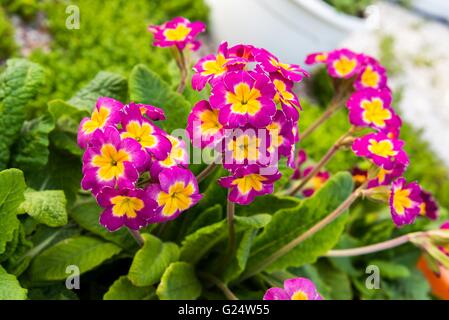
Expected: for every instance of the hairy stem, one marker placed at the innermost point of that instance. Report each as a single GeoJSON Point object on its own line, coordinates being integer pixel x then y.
{"type": "Point", "coordinates": [301, 238]}
{"type": "Point", "coordinates": [183, 70]}
{"type": "Point", "coordinates": [385, 245]}
{"type": "Point", "coordinates": [137, 236]}
{"type": "Point", "coordinates": [220, 285]}
{"type": "Point", "coordinates": [206, 172]}
{"type": "Point", "coordinates": [324, 160]}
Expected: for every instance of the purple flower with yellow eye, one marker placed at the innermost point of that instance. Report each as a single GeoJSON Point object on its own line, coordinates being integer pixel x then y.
{"type": "Point", "coordinates": [244, 146]}
{"type": "Point", "coordinates": [112, 161]}
{"type": "Point", "coordinates": [359, 176]}
{"type": "Point", "coordinates": [178, 32]}
{"type": "Point", "coordinates": [343, 63]}
{"type": "Point", "coordinates": [271, 64]}
{"type": "Point", "coordinates": [286, 97]}
{"type": "Point", "coordinates": [315, 184]}
{"type": "Point", "coordinates": [151, 138]}
{"type": "Point", "coordinates": [294, 289]}
{"type": "Point", "coordinates": [213, 66]}
{"type": "Point", "coordinates": [203, 126]}
{"type": "Point", "coordinates": [405, 202]}
{"type": "Point", "coordinates": [248, 182]}
{"type": "Point", "coordinates": [299, 161]}
{"type": "Point", "coordinates": [429, 207]}
{"type": "Point", "coordinates": [372, 108]}
{"type": "Point", "coordinates": [281, 135]}
{"type": "Point", "coordinates": [105, 113]}
{"type": "Point", "coordinates": [386, 176]}
{"type": "Point", "coordinates": [244, 51]}
{"type": "Point", "coordinates": [177, 156]}
{"type": "Point", "coordinates": [382, 150]}
{"type": "Point", "coordinates": [148, 111]}
{"type": "Point", "coordinates": [125, 207]}
{"type": "Point", "coordinates": [372, 75]}
{"type": "Point", "coordinates": [244, 97]}
{"type": "Point", "coordinates": [317, 57]}
{"type": "Point", "coordinates": [176, 192]}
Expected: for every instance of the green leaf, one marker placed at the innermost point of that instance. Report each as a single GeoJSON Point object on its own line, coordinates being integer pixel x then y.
{"type": "Point", "coordinates": [179, 282]}
{"type": "Point", "coordinates": [87, 213]}
{"type": "Point", "coordinates": [10, 288]}
{"type": "Point", "coordinates": [31, 151]}
{"type": "Point", "coordinates": [47, 207]}
{"type": "Point", "coordinates": [105, 84]}
{"type": "Point", "coordinates": [123, 289]}
{"type": "Point", "coordinates": [145, 86]}
{"type": "Point", "coordinates": [84, 252]}
{"type": "Point", "coordinates": [267, 204]}
{"type": "Point", "coordinates": [19, 84]}
{"type": "Point", "coordinates": [205, 218]}
{"type": "Point", "coordinates": [197, 244]}
{"type": "Point", "coordinates": [338, 282]}
{"type": "Point", "coordinates": [151, 260]}
{"type": "Point", "coordinates": [12, 187]}
{"type": "Point", "coordinates": [391, 270]}
{"type": "Point", "coordinates": [287, 224]}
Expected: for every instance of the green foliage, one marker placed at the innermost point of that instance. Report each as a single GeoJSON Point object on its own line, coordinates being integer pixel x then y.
{"type": "Point", "coordinates": [352, 7]}
{"type": "Point", "coordinates": [123, 289]}
{"type": "Point", "coordinates": [7, 44]}
{"type": "Point", "coordinates": [10, 288]}
{"type": "Point", "coordinates": [179, 282]}
{"type": "Point", "coordinates": [47, 207]}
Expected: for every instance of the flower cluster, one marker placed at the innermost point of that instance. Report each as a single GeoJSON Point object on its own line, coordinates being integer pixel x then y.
{"type": "Point", "coordinates": [137, 172]}
{"type": "Point", "coordinates": [251, 117]}
{"type": "Point", "coordinates": [294, 289]}
{"type": "Point", "coordinates": [370, 106]}
{"type": "Point", "coordinates": [178, 32]}
{"type": "Point", "coordinates": [316, 182]}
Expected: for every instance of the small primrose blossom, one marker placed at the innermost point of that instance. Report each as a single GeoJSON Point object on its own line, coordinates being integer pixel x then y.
{"type": "Point", "coordinates": [148, 111]}
{"type": "Point", "coordinates": [372, 108]}
{"type": "Point", "coordinates": [282, 139]}
{"type": "Point", "coordinates": [203, 126]}
{"type": "Point", "coordinates": [299, 161]}
{"type": "Point", "coordinates": [105, 113]}
{"type": "Point", "coordinates": [343, 63]}
{"type": "Point", "coordinates": [176, 192]}
{"type": "Point", "coordinates": [243, 51]}
{"type": "Point", "coordinates": [315, 183]}
{"type": "Point", "coordinates": [386, 176]}
{"type": "Point", "coordinates": [359, 176]}
{"type": "Point", "coordinates": [429, 207]}
{"type": "Point", "coordinates": [125, 207]}
{"type": "Point", "coordinates": [244, 98]}
{"type": "Point", "coordinates": [294, 289]}
{"type": "Point", "coordinates": [179, 32]}
{"type": "Point", "coordinates": [317, 57]}
{"type": "Point", "coordinates": [405, 202]}
{"type": "Point", "coordinates": [271, 64]}
{"type": "Point", "coordinates": [286, 97]}
{"type": "Point", "coordinates": [372, 75]}
{"type": "Point", "coordinates": [177, 156]}
{"type": "Point", "coordinates": [111, 161]}
{"type": "Point", "coordinates": [382, 150]}
{"type": "Point", "coordinates": [247, 182]}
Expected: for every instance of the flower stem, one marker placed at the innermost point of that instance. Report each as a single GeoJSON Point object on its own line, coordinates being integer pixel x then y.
{"type": "Point", "coordinates": [182, 65]}
{"type": "Point", "coordinates": [385, 245]}
{"type": "Point", "coordinates": [230, 212]}
{"type": "Point", "coordinates": [324, 160]}
{"type": "Point", "coordinates": [301, 238]}
{"type": "Point", "coordinates": [220, 285]}
{"type": "Point", "coordinates": [333, 107]}
{"type": "Point", "coordinates": [137, 236]}
{"type": "Point", "coordinates": [206, 172]}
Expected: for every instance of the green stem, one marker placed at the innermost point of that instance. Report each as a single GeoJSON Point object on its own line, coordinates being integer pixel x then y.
{"type": "Point", "coordinates": [301, 238]}
{"type": "Point", "coordinates": [137, 236]}
{"type": "Point", "coordinates": [220, 285]}
{"type": "Point", "coordinates": [206, 172]}
{"type": "Point", "coordinates": [183, 69]}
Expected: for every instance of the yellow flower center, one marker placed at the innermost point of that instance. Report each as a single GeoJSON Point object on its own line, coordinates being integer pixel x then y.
{"type": "Point", "coordinates": [244, 100]}
{"type": "Point", "coordinates": [245, 148]}
{"type": "Point", "coordinates": [345, 66]}
{"type": "Point", "coordinates": [382, 175]}
{"type": "Point", "coordinates": [249, 182]}
{"type": "Point", "coordinates": [142, 133]}
{"type": "Point", "coordinates": [422, 209]}
{"type": "Point", "coordinates": [209, 122]}
{"type": "Point", "coordinates": [177, 198]}
{"type": "Point", "coordinates": [180, 33]}
{"type": "Point", "coordinates": [383, 148]}
{"type": "Point", "coordinates": [375, 113]}
{"type": "Point", "coordinates": [110, 161]}
{"type": "Point", "coordinates": [282, 93]}
{"type": "Point", "coordinates": [299, 295]}
{"type": "Point", "coordinates": [370, 78]}
{"type": "Point", "coordinates": [176, 153]}
{"type": "Point", "coordinates": [321, 57]}
{"type": "Point", "coordinates": [216, 67]}
{"type": "Point", "coordinates": [126, 206]}
{"type": "Point", "coordinates": [97, 121]}
{"type": "Point", "coordinates": [402, 201]}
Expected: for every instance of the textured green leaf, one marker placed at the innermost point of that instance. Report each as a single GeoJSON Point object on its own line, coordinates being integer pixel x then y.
{"type": "Point", "coordinates": [54, 291]}
{"type": "Point", "coordinates": [10, 288]}
{"type": "Point", "coordinates": [31, 151]}
{"type": "Point", "coordinates": [47, 207]}
{"type": "Point", "coordinates": [145, 86]}
{"type": "Point", "coordinates": [205, 218]}
{"type": "Point", "coordinates": [105, 84]}
{"type": "Point", "coordinates": [267, 204]}
{"type": "Point", "coordinates": [197, 244]}
{"type": "Point", "coordinates": [84, 252]}
{"type": "Point", "coordinates": [12, 187]}
{"type": "Point", "coordinates": [338, 282]}
{"type": "Point", "coordinates": [87, 213]}
{"type": "Point", "coordinates": [19, 84]}
{"type": "Point", "coordinates": [151, 260]}
{"type": "Point", "coordinates": [287, 224]}
{"type": "Point", "coordinates": [123, 289]}
{"type": "Point", "coordinates": [179, 282]}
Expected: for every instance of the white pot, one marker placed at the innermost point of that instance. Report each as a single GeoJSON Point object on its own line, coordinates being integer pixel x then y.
{"type": "Point", "coordinates": [290, 29]}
